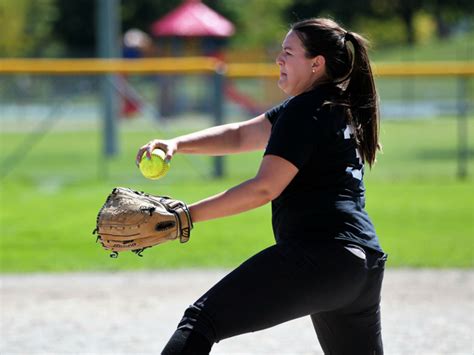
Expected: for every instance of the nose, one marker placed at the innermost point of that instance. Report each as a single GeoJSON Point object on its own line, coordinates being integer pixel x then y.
{"type": "Point", "coordinates": [279, 60]}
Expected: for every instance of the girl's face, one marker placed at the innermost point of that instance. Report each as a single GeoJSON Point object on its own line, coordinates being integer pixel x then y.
{"type": "Point", "coordinates": [297, 72]}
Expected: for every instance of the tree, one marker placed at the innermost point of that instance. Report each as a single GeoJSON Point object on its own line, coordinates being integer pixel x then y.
{"type": "Point", "coordinates": [28, 26]}
{"type": "Point", "coordinates": [75, 27]}
{"type": "Point", "coordinates": [406, 10]}
{"type": "Point", "coordinates": [259, 24]}
{"type": "Point", "coordinates": [342, 11]}
{"type": "Point", "coordinates": [141, 14]}
{"type": "Point", "coordinates": [448, 13]}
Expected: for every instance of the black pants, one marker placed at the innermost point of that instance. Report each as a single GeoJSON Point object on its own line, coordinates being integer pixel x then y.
{"type": "Point", "coordinates": [337, 286]}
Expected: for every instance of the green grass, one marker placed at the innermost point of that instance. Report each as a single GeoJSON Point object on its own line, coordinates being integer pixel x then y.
{"type": "Point", "coordinates": [56, 234]}
{"type": "Point", "coordinates": [50, 198]}
{"type": "Point", "coordinates": [457, 48]}
{"type": "Point", "coordinates": [424, 223]}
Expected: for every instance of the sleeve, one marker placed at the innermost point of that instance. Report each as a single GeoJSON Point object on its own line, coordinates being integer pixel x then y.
{"type": "Point", "coordinates": [294, 136]}
{"type": "Point", "coordinates": [275, 111]}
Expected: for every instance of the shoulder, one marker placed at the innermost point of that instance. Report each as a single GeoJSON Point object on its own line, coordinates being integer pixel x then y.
{"type": "Point", "coordinates": [307, 101]}
{"type": "Point", "coordinates": [293, 107]}
{"type": "Point", "coordinates": [324, 99]}
{"type": "Point", "coordinates": [318, 103]}
{"type": "Point", "coordinates": [302, 107]}
{"type": "Point", "coordinates": [273, 113]}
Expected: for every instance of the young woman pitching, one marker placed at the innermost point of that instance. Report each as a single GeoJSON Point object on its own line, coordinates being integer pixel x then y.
{"type": "Point", "coordinates": [327, 262]}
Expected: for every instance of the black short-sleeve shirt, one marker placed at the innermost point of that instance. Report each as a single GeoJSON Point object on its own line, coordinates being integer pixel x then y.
{"type": "Point", "coordinates": [326, 199]}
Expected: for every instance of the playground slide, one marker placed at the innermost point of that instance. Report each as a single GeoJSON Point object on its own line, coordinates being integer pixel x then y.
{"type": "Point", "coordinates": [131, 105]}
{"type": "Point", "coordinates": [241, 99]}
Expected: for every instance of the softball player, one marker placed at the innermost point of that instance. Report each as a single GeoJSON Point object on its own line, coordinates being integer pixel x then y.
{"type": "Point", "coordinates": [327, 262]}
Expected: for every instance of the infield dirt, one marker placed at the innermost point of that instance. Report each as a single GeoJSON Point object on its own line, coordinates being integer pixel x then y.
{"type": "Point", "coordinates": [424, 312]}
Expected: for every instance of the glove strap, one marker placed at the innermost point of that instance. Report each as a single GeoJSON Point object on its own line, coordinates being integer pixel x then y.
{"type": "Point", "coordinates": [184, 219]}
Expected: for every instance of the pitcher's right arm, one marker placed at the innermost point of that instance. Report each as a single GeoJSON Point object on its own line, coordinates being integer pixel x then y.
{"type": "Point", "coordinates": [230, 138]}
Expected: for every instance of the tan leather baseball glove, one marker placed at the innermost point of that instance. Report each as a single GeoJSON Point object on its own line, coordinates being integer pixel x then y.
{"type": "Point", "coordinates": [133, 220]}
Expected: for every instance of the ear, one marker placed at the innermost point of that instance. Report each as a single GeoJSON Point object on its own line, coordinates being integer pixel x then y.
{"type": "Point", "coordinates": [318, 64]}
{"type": "Point", "coordinates": [318, 61]}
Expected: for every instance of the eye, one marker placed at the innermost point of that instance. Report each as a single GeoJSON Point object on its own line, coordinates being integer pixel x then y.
{"type": "Point", "coordinates": [287, 53]}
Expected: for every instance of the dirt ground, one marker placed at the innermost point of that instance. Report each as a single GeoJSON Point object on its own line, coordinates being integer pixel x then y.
{"type": "Point", "coordinates": [424, 312]}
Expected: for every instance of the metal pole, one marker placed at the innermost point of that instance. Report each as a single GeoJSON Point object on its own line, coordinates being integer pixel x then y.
{"type": "Point", "coordinates": [218, 111]}
{"type": "Point", "coordinates": [107, 28]}
{"type": "Point", "coordinates": [462, 128]}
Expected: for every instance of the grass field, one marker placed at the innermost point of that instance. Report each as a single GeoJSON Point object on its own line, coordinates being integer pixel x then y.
{"type": "Point", "coordinates": [459, 47]}
{"type": "Point", "coordinates": [51, 195]}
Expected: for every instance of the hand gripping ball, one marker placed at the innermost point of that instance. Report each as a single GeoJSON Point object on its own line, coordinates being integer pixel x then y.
{"type": "Point", "coordinates": [156, 167]}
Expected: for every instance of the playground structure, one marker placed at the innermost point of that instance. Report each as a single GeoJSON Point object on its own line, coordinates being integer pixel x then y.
{"type": "Point", "coordinates": [191, 29]}
{"type": "Point", "coordinates": [460, 73]}
{"type": "Point", "coordinates": [218, 84]}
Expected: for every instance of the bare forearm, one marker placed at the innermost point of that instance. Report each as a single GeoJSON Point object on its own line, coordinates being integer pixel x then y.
{"type": "Point", "coordinates": [246, 196]}
{"type": "Point", "coordinates": [231, 138]}
{"type": "Point", "coordinates": [217, 140]}
{"type": "Point", "coordinates": [238, 137]}
{"type": "Point", "coordinates": [274, 174]}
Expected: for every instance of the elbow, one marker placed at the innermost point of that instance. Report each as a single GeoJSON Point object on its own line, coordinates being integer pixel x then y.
{"type": "Point", "coordinates": [265, 192]}
{"type": "Point", "coordinates": [272, 194]}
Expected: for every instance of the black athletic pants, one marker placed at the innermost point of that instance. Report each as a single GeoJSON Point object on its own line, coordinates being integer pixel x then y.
{"type": "Point", "coordinates": [336, 283]}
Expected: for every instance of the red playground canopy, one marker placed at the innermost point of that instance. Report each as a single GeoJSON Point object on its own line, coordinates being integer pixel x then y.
{"type": "Point", "coordinates": [193, 19]}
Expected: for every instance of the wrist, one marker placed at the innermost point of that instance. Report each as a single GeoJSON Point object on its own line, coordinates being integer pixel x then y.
{"type": "Point", "coordinates": [193, 213]}
{"type": "Point", "coordinates": [177, 144]}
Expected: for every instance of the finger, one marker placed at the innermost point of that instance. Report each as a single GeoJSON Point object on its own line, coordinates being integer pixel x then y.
{"type": "Point", "coordinates": [138, 158]}
{"type": "Point", "coordinates": [149, 149]}
{"type": "Point", "coordinates": [169, 155]}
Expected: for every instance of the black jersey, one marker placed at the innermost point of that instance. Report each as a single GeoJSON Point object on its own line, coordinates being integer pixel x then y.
{"type": "Point", "coordinates": [326, 199]}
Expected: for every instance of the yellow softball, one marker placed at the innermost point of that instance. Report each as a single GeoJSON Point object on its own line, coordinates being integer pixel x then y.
{"type": "Point", "coordinates": [156, 167]}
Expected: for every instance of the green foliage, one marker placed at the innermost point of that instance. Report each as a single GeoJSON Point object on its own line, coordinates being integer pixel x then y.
{"type": "Point", "coordinates": [50, 199]}
{"type": "Point", "coordinates": [67, 28]}
{"type": "Point", "coordinates": [75, 28]}
{"type": "Point", "coordinates": [258, 24]}
{"type": "Point", "coordinates": [380, 32]}
{"type": "Point", "coordinates": [425, 27]}
{"type": "Point", "coordinates": [391, 31]}
{"type": "Point", "coordinates": [27, 27]}
{"type": "Point", "coordinates": [141, 14]}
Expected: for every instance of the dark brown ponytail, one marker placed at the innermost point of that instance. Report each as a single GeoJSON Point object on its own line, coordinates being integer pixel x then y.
{"type": "Point", "coordinates": [347, 65]}
{"type": "Point", "coordinates": [363, 99]}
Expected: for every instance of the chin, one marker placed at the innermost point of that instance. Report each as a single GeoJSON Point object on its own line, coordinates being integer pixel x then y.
{"type": "Point", "coordinates": [283, 87]}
